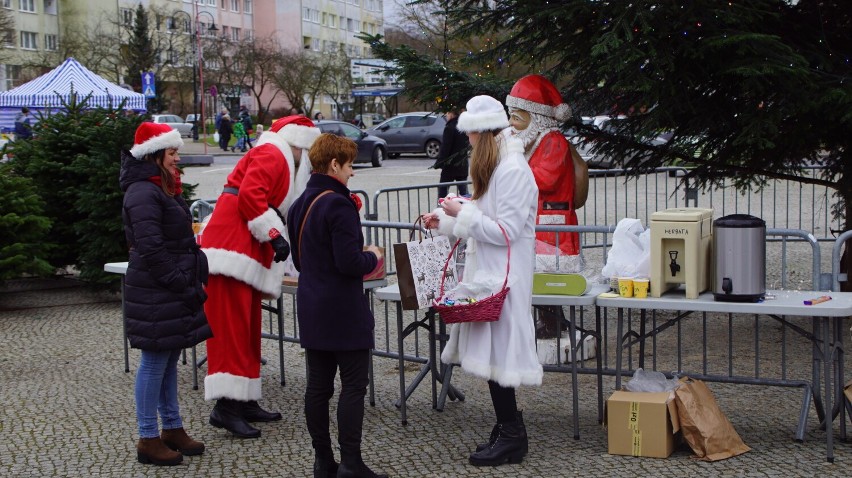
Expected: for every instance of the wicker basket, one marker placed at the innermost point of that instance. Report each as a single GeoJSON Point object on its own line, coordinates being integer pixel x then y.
{"type": "Point", "coordinates": [485, 310]}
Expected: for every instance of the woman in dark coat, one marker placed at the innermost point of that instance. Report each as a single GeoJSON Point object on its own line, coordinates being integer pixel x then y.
{"type": "Point", "coordinates": [163, 293]}
{"type": "Point", "coordinates": [335, 321]}
{"type": "Point", "coordinates": [226, 129]}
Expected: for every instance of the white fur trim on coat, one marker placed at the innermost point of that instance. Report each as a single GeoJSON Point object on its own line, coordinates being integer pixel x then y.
{"type": "Point", "coordinates": [226, 385]}
{"type": "Point", "coordinates": [261, 225]}
{"type": "Point", "coordinates": [304, 168]}
{"type": "Point", "coordinates": [171, 139]}
{"type": "Point", "coordinates": [469, 122]}
{"type": "Point", "coordinates": [299, 136]}
{"type": "Point", "coordinates": [445, 223]}
{"type": "Point", "coordinates": [464, 219]}
{"type": "Point", "coordinates": [245, 269]}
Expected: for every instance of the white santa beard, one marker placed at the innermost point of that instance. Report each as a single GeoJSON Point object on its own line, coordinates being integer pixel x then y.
{"type": "Point", "coordinates": [539, 125]}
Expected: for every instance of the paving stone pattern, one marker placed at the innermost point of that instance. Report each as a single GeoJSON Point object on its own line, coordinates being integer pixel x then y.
{"type": "Point", "coordinates": [67, 411]}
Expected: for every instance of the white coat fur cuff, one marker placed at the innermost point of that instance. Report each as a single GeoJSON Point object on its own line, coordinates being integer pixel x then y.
{"type": "Point", "coordinates": [445, 222]}
{"type": "Point", "coordinates": [465, 217]}
{"type": "Point", "coordinates": [261, 225]}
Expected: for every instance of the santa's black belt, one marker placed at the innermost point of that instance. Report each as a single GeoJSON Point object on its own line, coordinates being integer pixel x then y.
{"type": "Point", "coordinates": [229, 190]}
{"type": "Point", "coordinates": [555, 206]}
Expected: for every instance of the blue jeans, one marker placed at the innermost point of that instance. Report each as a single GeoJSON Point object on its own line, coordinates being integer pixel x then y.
{"type": "Point", "coordinates": [156, 390]}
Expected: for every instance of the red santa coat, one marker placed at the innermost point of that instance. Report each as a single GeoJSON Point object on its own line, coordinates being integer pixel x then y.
{"type": "Point", "coordinates": [553, 169]}
{"type": "Point", "coordinates": [242, 271]}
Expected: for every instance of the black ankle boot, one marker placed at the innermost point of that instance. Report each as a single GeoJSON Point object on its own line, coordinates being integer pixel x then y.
{"type": "Point", "coordinates": [510, 446]}
{"type": "Point", "coordinates": [226, 414]}
{"type": "Point", "coordinates": [519, 416]}
{"type": "Point", "coordinates": [356, 470]}
{"type": "Point", "coordinates": [252, 412]}
{"type": "Point", "coordinates": [325, 467]}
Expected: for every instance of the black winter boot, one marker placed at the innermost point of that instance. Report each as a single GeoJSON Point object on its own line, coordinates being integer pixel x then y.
{"type": "Point", "coordinates": [356, 470]}
{"type": "Point", "coordinates": [252, 412]}
{"type": "Point", "coordinates": [493, 437]}
{"type": "Point", "coordinates": [324, 466]}
{"type": "Point", "coordinates": [510, 446]}
{"type": "Point", "coordinates": [226, 414]}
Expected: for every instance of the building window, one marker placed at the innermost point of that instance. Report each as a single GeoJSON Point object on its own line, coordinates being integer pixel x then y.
{"type": "Point", "coordinates": [9, 39]}
{"type": "Point", "coordinates": [211, 3]}
{"type": "Point", "coordinates": [225, 32]}
{"type": "Point", "coordinates": [332, 21]}
{"type": "Point", "coordinates": [29, 40]}
{"type": "Point", "coordinates": [126, 16]}
{"type": "Point", "coordinates": [306, 13]}
{"type": "Point", "coordinates": [315, 44]}
{"type": "Point", "coordinates": [235, 33]}
{"type": "Point", "coordinates": [27, 5]}
{"type": "Point", "coordinates": [50, 42]}
{"type": "Point", "coordinates": [235, 5]}
{"type": "Point", "coordinates": [6, 3]}
{"type": "Point", "coordinates": [247, 6]}
{"type": "Point", "coordinates": [13, 73]}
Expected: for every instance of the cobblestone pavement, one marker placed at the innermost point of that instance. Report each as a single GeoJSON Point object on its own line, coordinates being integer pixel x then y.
{"type": "Point", "coordinates": [67, 411]}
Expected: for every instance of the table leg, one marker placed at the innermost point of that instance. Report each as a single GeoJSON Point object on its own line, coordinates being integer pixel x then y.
{"type": "Point", "coordinates": [619, 347]}
{"type": "Point", "coordinates": [280, 304]}
{"type": "Point", "coordinates": [124, 330]}
{"type": "Point", "coordinates": [194, 369]}
{"type": "Point", "coordinates": [599, 360]}
{"type": "Point", "coordinates": [575, 388]}
{"type": "Point", "coordinates": [827, 359]}
{"type": "Point", "coordinates": [401, 351]}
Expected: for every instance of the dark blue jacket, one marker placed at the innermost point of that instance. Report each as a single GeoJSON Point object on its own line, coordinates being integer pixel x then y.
{"type": "Point", "coordinates": [163, 293]}
{"type": "Point", "coordinates": [333, 311]}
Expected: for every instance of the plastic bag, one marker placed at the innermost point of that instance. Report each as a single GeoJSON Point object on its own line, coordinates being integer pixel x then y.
{"type": "Point", "coordinates": [630, 254]}
{"type": "Point", "coordinates": [650, 381]}
{"type": "Point", "coordinates": [216, 137]}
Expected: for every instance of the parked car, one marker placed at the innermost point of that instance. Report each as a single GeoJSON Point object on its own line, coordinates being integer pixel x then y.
{"type": "Point", "coordinates": [419, 132]}
{"type": "Point", "coordinates": [374, 117]}
{"type": "Point", "coordinates": [175, 121]}
{"type": "Point", "coordinates": [371, 149]}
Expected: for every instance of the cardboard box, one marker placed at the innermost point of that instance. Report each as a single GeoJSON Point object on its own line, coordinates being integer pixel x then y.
{"type": "Point", "coordinates": [559, 284]}
{"type": "Point", "coordinates": [641, 423]}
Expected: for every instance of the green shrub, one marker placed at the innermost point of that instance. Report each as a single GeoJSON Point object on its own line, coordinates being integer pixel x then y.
{"type": "Point", "coordinates": [22, 220]}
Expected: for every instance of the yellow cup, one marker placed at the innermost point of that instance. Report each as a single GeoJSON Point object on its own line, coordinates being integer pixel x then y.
{"type": "Point", "coordinates": [625, 286]}
{"type": "Point", "coordinates": [640, 287]}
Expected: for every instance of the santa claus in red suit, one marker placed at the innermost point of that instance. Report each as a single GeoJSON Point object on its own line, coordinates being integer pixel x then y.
{"type": "Point", "coordinates": [536, 111]}
{"type": "Point", "coordinates": [245, 249]}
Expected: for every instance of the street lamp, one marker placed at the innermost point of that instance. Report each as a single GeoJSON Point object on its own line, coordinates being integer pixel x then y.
{"type": "Point", "coordinates": [197, 68]}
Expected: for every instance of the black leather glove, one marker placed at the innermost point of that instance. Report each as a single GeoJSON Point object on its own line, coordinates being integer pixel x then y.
{"type": "Point", "coordinates": [282, 249]}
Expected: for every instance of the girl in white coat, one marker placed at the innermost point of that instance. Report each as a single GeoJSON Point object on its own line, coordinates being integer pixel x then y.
{"type": "Point", "coordinates": [504, 195]}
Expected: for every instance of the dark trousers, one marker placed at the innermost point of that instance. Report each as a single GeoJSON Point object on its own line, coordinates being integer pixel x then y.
{"type": "Point", "coordinates": [322, 368]}
{"type": "Point", "coordinates": [505, 402]}
{"type": "Point", "coordinates": [447, 176]}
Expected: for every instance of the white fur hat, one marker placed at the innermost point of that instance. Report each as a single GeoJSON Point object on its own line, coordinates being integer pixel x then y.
{"type": "Point", "coordinates": [484, 113]}
{"type": "Point", "coordinates": [152, 137]}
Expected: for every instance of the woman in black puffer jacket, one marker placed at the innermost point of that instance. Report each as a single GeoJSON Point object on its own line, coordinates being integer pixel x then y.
{"type": "Point", "coordinates": [164, 293]}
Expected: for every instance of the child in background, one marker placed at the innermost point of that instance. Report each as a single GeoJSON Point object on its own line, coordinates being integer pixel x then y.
{"type": "Point", "coordinates": [240, 134]}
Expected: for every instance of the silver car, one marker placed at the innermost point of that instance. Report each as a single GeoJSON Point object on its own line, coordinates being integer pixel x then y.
{"type": "Point", "coordinates": [175, 121]}
{"type": "Point", "coordinates": [418, 132]}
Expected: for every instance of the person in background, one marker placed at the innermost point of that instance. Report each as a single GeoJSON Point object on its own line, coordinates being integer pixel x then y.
{"type": "Point", "coordinates": [164, 293]}
{"type": "Point", "coordinates": [318, 116]}
{"type": "Point", "coordinates": [218, 119]}
{"type": "Point", "coordinates": [335, 321]}
{"type": "Point", "coordinates": [452, 158]}
{"type": "Point", "coordinates": [240, 135]}
{"type": "Point", "coordinates": [245, 246]}
{"type": "Point", "coordinates": [505, 198]}
{"type": "Point", "coordinates": [23, 124]}
{"type": "Point", "coordinates": [225, 130]}
{"type": "Point", "coordinates": [245, 119]}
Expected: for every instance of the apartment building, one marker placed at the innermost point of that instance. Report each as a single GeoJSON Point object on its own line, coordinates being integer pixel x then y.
{"type": "Point", "coordinates": [314, 27]}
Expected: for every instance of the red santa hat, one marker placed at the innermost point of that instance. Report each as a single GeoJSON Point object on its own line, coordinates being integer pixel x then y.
{"type": "Point", "coordinates": [536, 94]}
{"type": "Point", "coordinates": [483, 113]}
{"type": "Point", "coordinates": [152, 137]}
{"type": "Point", "coordinates": [296, 130]}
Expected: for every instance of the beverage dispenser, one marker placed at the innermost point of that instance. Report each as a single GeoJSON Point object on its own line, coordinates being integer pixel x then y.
{"type": "Point", "coordinates": [681, 240]}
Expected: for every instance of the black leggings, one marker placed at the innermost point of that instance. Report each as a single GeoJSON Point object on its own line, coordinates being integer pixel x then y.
{"type": "Point", "coordinates": [322, 367]}
{"type": "Point", "coordinates": [505, 403]}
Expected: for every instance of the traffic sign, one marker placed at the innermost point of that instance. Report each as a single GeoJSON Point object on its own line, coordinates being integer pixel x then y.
{"type": "Point", "coordinates": [148, 87]}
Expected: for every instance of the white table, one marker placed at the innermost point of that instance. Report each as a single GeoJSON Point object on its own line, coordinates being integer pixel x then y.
{"type": "Point", "coordinates": [827, 339]}
{"type": "Point", "coordinates": [391, 294]}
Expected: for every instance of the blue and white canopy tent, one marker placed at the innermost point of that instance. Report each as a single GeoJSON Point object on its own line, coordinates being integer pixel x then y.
{"type": "Point", "coordinates": [46, 93]}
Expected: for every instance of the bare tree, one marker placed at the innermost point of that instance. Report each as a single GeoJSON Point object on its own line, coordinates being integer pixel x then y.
{"type": "Point", "coordinates": [334, 78]}
{"type": "Point", "coordinates": [295, 76]}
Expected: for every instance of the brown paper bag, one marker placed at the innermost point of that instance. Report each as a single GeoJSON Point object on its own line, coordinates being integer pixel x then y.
{"type": "Point", "coordinates": [703, 424]}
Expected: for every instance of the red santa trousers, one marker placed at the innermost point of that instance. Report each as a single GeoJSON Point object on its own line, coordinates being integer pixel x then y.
{"type": "Point", "coordinates": [234, 312]}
